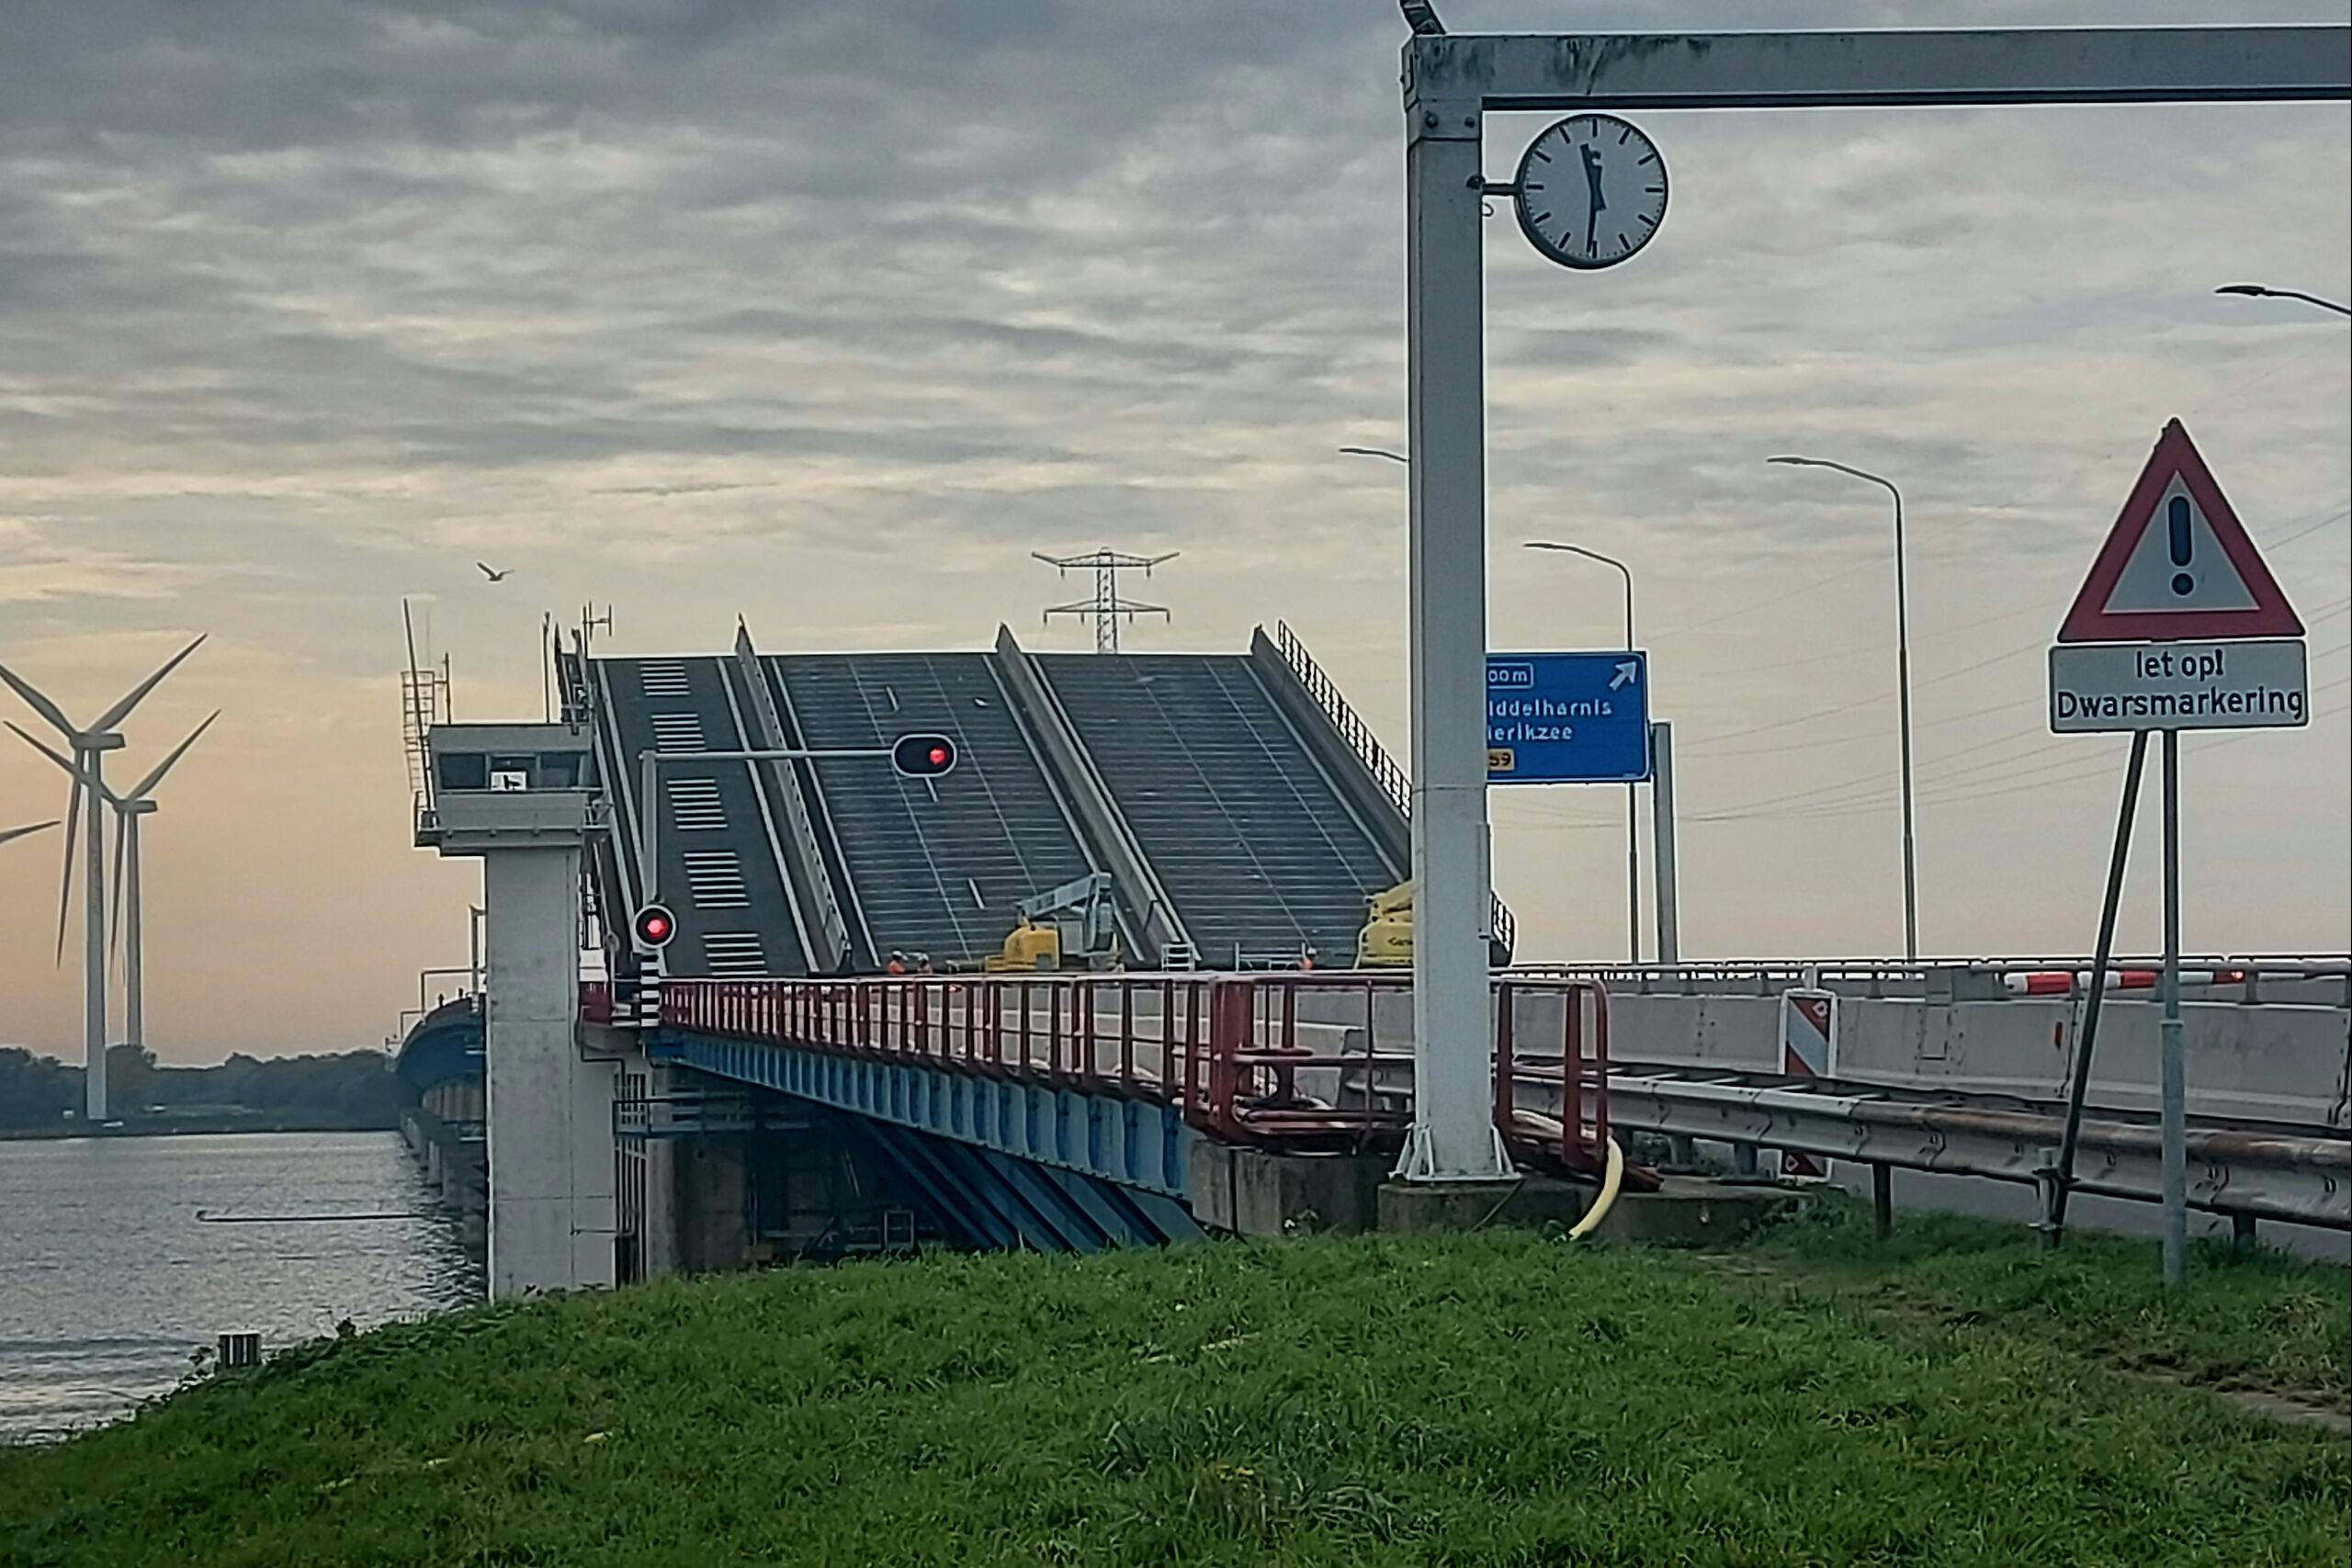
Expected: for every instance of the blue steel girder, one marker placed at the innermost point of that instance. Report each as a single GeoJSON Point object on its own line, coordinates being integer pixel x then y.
{"type": "Point", "coordinates": [1016, 1202]}
{"type": "Point", "coordinates": [959, 1204]}
{"type": "Point", "coordinates": [1129, 1144]}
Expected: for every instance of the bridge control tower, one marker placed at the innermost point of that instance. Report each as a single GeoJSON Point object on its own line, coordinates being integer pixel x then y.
{"type": "Point", "coordinates": [520, 797]}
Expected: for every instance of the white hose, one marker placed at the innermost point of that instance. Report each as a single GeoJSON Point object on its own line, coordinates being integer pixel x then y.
{"type": "Point", "coordinates": [1611, 1178]}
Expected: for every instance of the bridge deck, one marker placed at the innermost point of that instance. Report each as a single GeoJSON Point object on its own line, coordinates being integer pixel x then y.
{"type": "Point", "coordinates": [717, 829]}
{"type": "Point", "coordinates": [935, 866]}
{"type": "Point", "coordinates": [1259, 851]}
{"type": "Point", "coordinates": [1319, 1062]}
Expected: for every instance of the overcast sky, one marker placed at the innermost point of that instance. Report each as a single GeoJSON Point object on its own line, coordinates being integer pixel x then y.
{"type": "Point", "coordinates": [829, 314]}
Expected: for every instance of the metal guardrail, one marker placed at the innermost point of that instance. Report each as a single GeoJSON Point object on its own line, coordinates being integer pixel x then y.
{"type": "Point", "coordinates": [2303, 1176]}
{"type": "Point", "coordinates": [1384, 771]}
{"type": "Point", "coordinates": [1232, 1052]}
{"type": "Point", "coordinates": [1392, 780]}
{"type": "Point", "coordinates": [1962, 979]}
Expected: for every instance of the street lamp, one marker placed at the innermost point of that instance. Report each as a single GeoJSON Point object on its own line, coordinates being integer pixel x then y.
{"type": "Point", "coordinates": [1633, 797]}
{"type": "Point", "coordinates": [1903, 671]}
{"type": "Point", "coordinates": [2261, 291]}
{"type": "Point", "coordinates": [1378, 451]}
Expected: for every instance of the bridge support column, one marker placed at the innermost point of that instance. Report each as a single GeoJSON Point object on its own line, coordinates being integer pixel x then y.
{"type": "Point", "coordinates": [550, 1112]}
{"type": "Point", "coordinates": [514, 794]}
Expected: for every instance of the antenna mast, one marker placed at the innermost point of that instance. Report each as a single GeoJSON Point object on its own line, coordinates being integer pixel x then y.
{"type": "Point", "coordinates": [425, 702]}
{"type": "Point", "coordinates": [1105, 608]}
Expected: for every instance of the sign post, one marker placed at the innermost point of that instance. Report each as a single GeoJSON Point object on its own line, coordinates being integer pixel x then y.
{"type": "Point", "coordinates": [2053, 1226]}
{"type": "Point", "coordinates": [2171, 1047]}
{"type": "Point", "coordinates": [2179, 625]}
{"type": "Point", "coordinates": [1663, 870]}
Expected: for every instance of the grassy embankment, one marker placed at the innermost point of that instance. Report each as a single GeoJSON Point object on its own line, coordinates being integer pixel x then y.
{"type": "Point", "coordinates": [1959, 1398]}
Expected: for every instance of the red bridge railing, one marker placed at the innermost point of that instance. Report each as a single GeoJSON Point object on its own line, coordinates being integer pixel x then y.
{"type": "Point", "coordinates": [1300, 1061]}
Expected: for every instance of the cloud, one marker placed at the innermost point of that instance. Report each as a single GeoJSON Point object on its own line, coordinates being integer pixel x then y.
{"type": "Point", "coordinates": [828, 313]}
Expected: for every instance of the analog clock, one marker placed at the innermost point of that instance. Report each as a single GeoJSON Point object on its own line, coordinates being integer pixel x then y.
{"type": "Point", "coordinates": [1591, 191]}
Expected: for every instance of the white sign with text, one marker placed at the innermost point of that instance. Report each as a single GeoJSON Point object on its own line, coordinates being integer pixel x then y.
{"type": "Point", "coordinates": [2177, 685]}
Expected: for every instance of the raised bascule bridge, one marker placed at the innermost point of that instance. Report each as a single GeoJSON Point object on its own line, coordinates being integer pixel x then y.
{"type": "Point", "coordinates": [833, 1051]}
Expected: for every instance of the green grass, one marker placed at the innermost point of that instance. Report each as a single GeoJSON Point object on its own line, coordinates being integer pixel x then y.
{"type": "Point", "coordinates": [1495, 1398]}
{"type": "Point", "coordinates": [2258, 1320]}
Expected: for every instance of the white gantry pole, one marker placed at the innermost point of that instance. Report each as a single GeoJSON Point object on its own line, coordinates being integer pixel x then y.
{"type": "Point", "coordinates": [1454, 1136]}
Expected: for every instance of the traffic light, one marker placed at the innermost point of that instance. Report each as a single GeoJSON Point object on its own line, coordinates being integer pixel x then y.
{"type": "Point", "coordinates": [923, 756]}
{"type": "Point", "coordinates": [653, 928]}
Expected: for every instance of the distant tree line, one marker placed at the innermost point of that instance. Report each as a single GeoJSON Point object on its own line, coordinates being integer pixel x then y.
{"type": "Point", "coordinates": [347, 1089]}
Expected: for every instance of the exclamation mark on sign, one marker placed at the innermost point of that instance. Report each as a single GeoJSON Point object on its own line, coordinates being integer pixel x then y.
{"type": "Point", "coordinates": [2178, 514]}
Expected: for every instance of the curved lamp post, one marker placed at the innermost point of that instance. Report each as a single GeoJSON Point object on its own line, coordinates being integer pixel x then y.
{"type": "Point", "coordinates": [2263, 291]}
{"type": "Point", "coordinates": [1902, 674]}
{"type": "Point", "coordinates": [1633, 796]}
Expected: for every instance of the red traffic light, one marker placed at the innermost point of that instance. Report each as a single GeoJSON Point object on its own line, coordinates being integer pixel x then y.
{"type": "Point", "coordinates": [923, 756]}
{"type": "Point", "coordinates": [654, 926]}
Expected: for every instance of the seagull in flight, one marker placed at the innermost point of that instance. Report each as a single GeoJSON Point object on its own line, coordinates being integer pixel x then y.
{"type": "Point", "coordinates": [495, 576]}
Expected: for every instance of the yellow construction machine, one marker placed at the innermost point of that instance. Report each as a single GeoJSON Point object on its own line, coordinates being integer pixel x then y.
{"type": "Point", "coordinates": [1074, 926]}
{"type": "Point", "coordinates": [1386, 941]}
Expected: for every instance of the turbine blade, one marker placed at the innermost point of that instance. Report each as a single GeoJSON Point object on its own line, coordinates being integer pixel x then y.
{"type": "Point", "coordinates": [65, 879]}
{"type": "Point", "coordinates": [8, 833]}
{"type": "Point", "coordinates": [80, 776]}
{"type": "Point", "coordinates": [131, 698]}
{"type": "Point", "coordinates": [156, 775]}
{"type": "Point", "coordinates": [114, 913]}
{"type": "Point", "coordinates": [37, 702]}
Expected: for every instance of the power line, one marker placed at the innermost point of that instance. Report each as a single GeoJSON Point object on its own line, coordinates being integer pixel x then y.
{"type": "Point", "coordinates": [2101, 769]}
{"type": "Point", "coordinates": [1846, 787]}
{"type": "Point", "coordinates": [1705, 745]}
{"type": "Point", "coordinates": [1856, 569]}
{"type": "Point", "coordinates": [2110, 454]}
{"type": "Point", "coordinates": [1812, 741]}
{"type": "Point", "coordinates": [2070, 771]}
{"type": "Point", "coordinates": [1858, 650]}
{"type": "Point", "coordinates": [1941, 794]}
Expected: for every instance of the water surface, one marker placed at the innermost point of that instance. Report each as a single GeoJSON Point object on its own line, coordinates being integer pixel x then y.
{"type": "Point", "coordinates": [109, 1282]}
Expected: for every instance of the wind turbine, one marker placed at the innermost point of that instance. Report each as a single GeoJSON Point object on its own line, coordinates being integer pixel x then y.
{"type": "Point", "coordinates": [8, 833]}
{"type": "Point", "coordinates": [128, 809]}
{"type": "Point", "coordinates": [89, 747]}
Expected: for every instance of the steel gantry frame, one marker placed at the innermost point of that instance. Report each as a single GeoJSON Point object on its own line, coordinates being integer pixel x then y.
{"type": "Point", "coordinates": [1450, 84]}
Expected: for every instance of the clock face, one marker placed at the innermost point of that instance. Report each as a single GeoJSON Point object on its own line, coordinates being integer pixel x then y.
{"type": "Point", "coordinates": [1591, 191]}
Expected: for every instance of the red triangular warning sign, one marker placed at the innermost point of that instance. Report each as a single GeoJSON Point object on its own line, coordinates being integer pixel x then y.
{"type": "Point", "coordinates": [2178, 563]}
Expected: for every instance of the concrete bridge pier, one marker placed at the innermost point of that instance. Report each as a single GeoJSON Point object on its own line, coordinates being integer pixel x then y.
{"type": "Point", "coordinates": [515, 795]}
{"type": "Point", "coordinates": [551, 1110]}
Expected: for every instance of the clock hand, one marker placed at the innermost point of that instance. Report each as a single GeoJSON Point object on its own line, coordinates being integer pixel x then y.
{"type": "Point", "coordinates": [1592, 185]}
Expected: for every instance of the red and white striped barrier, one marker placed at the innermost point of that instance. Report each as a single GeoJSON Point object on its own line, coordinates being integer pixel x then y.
{"type": "Point", "coordinates": [2066, 982]}
{"type": "Point", "coordinates": [1808, 1050]}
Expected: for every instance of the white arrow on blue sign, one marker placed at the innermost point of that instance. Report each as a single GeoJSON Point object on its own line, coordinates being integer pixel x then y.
{"type": "Point", "coordinates": [1567, 718]}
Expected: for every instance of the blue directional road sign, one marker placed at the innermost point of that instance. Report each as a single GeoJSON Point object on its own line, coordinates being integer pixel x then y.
{"type": "Point", "coordinates": [1567, 718]}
